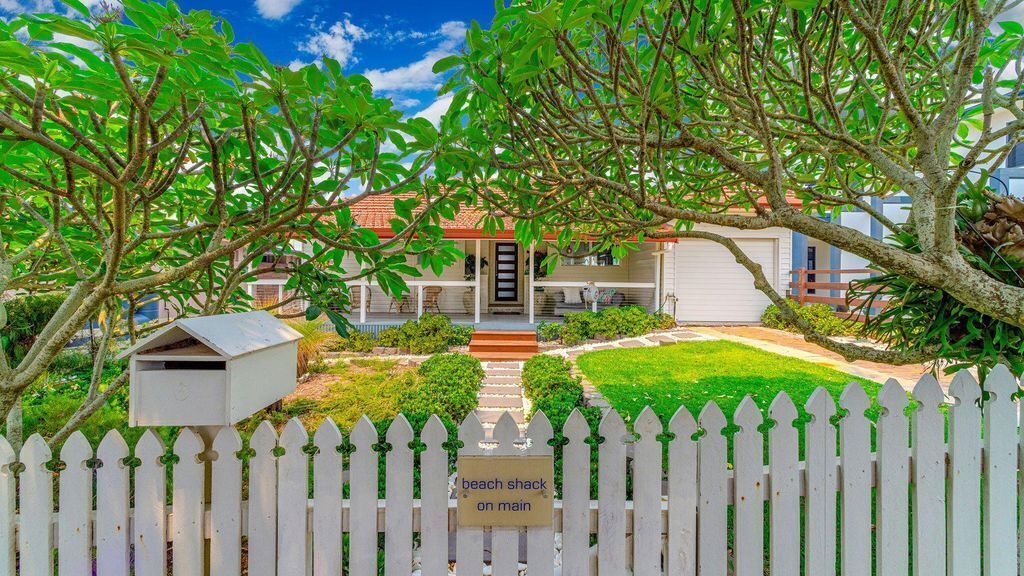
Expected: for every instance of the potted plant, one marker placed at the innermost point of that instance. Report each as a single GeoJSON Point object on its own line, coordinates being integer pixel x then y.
{"type": "Point", "coordinates": [470, 274]}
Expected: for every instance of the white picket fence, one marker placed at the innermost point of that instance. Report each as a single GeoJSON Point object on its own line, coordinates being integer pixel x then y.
{"type": "Point", "coordinates": [916, 501]}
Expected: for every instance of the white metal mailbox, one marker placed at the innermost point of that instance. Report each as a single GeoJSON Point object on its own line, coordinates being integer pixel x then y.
{"type": "Point", "coordinates": [211, 370]}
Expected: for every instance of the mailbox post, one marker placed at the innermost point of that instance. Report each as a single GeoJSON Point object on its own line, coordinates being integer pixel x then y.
{"type": "Point", "coordinates": [209, 372]}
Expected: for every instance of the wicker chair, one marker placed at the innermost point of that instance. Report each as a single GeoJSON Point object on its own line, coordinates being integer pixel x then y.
{"type": "Point", "coordinates": [431, 294]}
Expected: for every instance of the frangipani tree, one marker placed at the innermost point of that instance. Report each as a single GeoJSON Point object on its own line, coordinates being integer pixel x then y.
{"type": "Point", "coordinates": [614, 119]}
{"type": "Point", "coordinates": [144, 153]}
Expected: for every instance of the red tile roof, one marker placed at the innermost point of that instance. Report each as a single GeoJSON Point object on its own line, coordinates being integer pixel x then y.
{"type": "Point", "coordinates": [376, 212]}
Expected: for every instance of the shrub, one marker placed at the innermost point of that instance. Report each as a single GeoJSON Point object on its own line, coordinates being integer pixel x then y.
{"type": "Point", "coordinates": [448, 385]}
{"type": "Point", "coordinates": [578, 327]}
{"type": "Point", "coordinates": [357, 341]}
{"type": "Point", "coordinates": [609, 323]}
{"type": "Point", "coordinates": [548, 331]}
{"type": "Point", "coordinates": [461, 335]}
{"type": "Point", "coordinates": [552, 389]}
{"type": "Point", "coordinates": [544, 373]}
{"type": "Point", "coordinates": [26, 318]}
{"type": "Point", "coordinates": [431, 334]}
{"type": "Point", "coordinates": [820, 316]}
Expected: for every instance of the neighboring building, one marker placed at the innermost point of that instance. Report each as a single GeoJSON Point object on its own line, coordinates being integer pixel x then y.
{"type": "Point", "coordinates": [694, 280]}
{"type": "Point", "coordinates": [838, 266]}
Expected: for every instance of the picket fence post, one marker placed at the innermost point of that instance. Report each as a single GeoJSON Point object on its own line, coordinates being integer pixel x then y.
{"type": "Point", "coordinates": [469, 541]}
{"type": "Point", "coordinates": [505, 540]}
{"type": "Point", "coordinates": [74, 539]}
{"type": "Point", "coordinates": [434, 495]}
{"type": "Point", "coordinates": [682, 495]}
{"type": "Point", "coordinates": [611, 495]}
{"type": "Point", "coordinates": [748, 519]}
{"type": "Point", "coordinates": [820, 499]}
{"type": "Point", "coordinates": [292, 486]}
{"type": "Point", "coordinates": [784, 502]}
{"type": "Point", "coordinates": [35, 499]}
{"type": "Point", "coordinates": [8, 508]}
{"type": "Point", "coordinates": [575, 496]}
{"type": "Point", "coordinates": [855, 493]}
{"type": "Point", "coordinates": [263, 501]}
{"type": "Point", "coordinates": [187, 504]}
{"type": "Point", "coordinates": [1000, 477]}
{"type": "Point", "coordinates": [712, 529]}
{"type": "Point", "coordinates": [226, 505]}
{"type": "Point", "coordinates": [647, 494]}
{"type": "Point", "coordinates": [363, 466]}
{"type": "Point", "coordinates": [540, 540]}
{"type": "Point", "coordinates": [327, 499]}
{"type": "Point", "coordinates": [963, 523]}
{"type": "Point", "coordinates": [398, 490]}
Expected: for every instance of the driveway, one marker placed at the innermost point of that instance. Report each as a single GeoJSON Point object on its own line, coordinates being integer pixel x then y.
{"type": "Point", "coordinates": [789, 344]}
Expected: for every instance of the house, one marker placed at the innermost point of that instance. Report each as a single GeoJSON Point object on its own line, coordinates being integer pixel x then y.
{"type": "Point", "coordinates": [696, 281]}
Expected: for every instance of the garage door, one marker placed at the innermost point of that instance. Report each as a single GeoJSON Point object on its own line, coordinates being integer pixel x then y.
{"type": "Point", "coordinates": [712, 287]}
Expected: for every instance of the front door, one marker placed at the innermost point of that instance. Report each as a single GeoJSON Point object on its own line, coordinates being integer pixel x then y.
{"type": "Point", "coordinates": [506, 272]}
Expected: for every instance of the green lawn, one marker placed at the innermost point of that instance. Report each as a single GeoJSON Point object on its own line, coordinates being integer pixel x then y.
{"type": "Point", "coordinates": [694, 373]}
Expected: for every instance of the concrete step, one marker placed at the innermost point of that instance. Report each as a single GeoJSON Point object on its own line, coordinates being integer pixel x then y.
{"type": "Point", "coordinates": [500, 390]}
{"type": "Point", "coordinates": [502, 381]}
{"type": "Point", "coordinates": [490, 417]}
{"type": "Point", "coordinates": [500, 402]}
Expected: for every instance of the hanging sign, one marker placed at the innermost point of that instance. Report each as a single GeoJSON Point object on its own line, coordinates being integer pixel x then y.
{"type": "Point", "coordinates": [505, 491]}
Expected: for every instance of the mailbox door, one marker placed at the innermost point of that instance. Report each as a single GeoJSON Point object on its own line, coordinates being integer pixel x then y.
{"type": "Point", "coordinates": [180, 398]}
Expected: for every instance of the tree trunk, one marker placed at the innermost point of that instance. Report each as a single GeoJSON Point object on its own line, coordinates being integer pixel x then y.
{"type": "Point", "coordinates": [15, 423]}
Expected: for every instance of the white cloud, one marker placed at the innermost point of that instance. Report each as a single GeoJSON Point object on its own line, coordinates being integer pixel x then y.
{"type": "Point", "coordinates": [419, 75]}
{"type": "Point", "coordinates": [436, 109]}
{"type": "Point", "coordinates": [275, 9]}
{"type": "Point", "coordinates": [337, 42]}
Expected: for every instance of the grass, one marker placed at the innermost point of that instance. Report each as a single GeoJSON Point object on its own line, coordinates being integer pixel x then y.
{"type": "Point", "coordinates": [692, 374]}
{"type": "Point", "coordinates": [345, 392]}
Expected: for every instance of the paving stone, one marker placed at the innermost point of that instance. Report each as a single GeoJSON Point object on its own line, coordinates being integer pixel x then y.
{"type": "Point", "coordinates": [498, 390]}
{"type": "Point", "coordinates": [631, 344]}
{"type": "Point", "coordinates": [490, 417]}
{"type": "Point", "coordinates": [508, 402]}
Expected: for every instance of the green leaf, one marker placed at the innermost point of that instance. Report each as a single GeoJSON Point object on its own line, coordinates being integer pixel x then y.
{"type": "Point", "coordinates": [77, 7]}
{"type": "Point", "coordinates": [801, 5]}
{"type": "Point", "coordinates": [447, 63]}
{"type": "Point", "coordinates": [1012, 27]}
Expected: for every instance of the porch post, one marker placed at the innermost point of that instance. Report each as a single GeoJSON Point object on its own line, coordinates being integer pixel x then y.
{"type": "Point", "coordinates": [419, 301]}
{"type": "Point", "coordinates": [657, 280]}
{"type": "Point", "coordinates": [531, 294]}
{"type": "Point", "coordinates": [476, 287]}
{"type": "Point", "coordinates": [363, 288]}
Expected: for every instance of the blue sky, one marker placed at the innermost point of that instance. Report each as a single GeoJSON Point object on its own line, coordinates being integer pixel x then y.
{"type": "Point", "coordinates": [392, 42]}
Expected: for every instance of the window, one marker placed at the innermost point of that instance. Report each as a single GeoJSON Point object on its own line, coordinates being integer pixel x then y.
{"type": "Point", "coordinates": [812, 263]}
{"type": "Point", "coordinates": [1016, 157]}
{"type": "Point", "coordinates": [587, 256]}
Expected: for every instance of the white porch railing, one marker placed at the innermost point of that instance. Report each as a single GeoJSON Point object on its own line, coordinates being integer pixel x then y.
{"type": "Point", "coordinates": [678, 514]}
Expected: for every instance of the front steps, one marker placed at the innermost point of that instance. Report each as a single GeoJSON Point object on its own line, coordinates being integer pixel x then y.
{"type": "Point", "coordinates": [503, 346]}
{"type": "Point", "coordinates": [501, 392]}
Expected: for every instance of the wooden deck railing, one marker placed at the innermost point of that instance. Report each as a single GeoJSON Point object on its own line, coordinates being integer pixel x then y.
{"type": "Point", "coordinates": [800, 290]}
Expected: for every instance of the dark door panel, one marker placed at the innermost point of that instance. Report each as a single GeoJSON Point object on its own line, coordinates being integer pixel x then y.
{"type": "Point", "coordinates": [506, 272]}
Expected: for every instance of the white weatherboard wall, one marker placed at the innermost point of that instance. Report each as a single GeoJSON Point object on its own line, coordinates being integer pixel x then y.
{"type": "Point", "coordinates": [707, 519]}
{"type": "Point", "coordinates": [710, 286]}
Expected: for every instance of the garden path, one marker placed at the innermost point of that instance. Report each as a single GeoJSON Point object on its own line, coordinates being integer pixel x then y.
{"type": "Point", "coordinates": [501, 392]}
